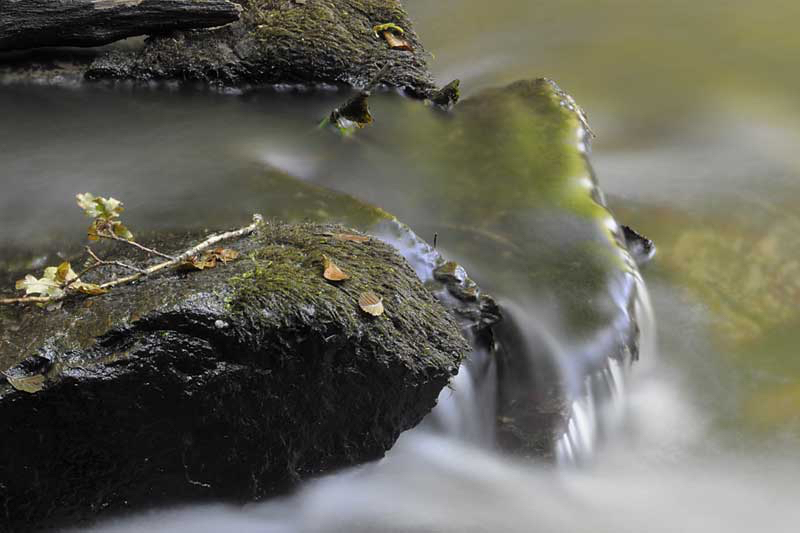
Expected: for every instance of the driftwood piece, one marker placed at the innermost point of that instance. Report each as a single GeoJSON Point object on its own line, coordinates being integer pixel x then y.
{"type": "Point", "coordinates": [34, 23]}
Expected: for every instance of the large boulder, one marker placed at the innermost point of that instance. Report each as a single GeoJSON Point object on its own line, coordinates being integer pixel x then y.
{"type": "Point", "coordinates": [230, 383]}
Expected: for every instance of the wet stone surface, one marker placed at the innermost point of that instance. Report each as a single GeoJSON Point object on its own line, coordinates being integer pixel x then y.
{"type": "Point", "coordinates": [231, 383]}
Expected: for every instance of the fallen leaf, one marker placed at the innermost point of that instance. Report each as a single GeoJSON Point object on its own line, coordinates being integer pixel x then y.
{"type": "Point", "coordinates": [397, 43]}
{"type": "Point", "coordinates": [29, 384]}
{"type": "Point", "coordinates": [208, 260]}
{"type": "Point", "coordinates": [197, 263]}
{"type": "Point", "coordinates": [350, 237]}
{"type": "Point", "coordinates": [371, 303]}
{"type": "Point", "coordinates": [225, 254]}
{"type": "Point", "coordinates": [88, 288]}
{"type": "Point", "coordinates": [332, 272]}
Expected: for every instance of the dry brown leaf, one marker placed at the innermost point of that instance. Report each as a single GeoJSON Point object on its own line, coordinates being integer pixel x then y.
{"type": "Point", "coordinates": [371, 303]}
{"type": "Point", "coordinates": [397, 43]}
{"type": "Point", "coordinates": [209, 259]}
{"type": "Point", "coordinates": [225, 254]}
{"type": "Point", "coordinates": [198, 263]}
{"type": "Point", "coordinates": [88, 288]}
{"type": "Point", "coordinates": [332, 272]}
{"type": "Point", "coordinates": [30, 384]}
{"type": "Point", "coordinates": [350, 237]}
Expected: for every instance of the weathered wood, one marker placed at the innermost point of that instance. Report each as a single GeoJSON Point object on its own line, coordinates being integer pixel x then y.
{"type": "Point", "coordinates": [34, 23]}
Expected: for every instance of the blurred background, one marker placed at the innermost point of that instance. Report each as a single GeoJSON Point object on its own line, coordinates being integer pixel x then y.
{"type": "Point", "coordinates": [696, 111]}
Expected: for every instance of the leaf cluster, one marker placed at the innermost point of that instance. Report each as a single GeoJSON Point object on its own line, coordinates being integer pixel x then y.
{"type": "Point", "coordinates": [105, 213]}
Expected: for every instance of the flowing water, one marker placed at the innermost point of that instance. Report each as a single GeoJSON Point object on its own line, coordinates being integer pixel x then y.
{"type": "Point", "coordinates": [694, 107]}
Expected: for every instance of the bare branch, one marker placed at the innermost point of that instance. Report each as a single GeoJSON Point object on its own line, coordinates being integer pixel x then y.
{"type": "Point", "coordinates": [241, 232]}
{"type": "Point", "coordinates": [257, 221]}
{"type": "Point", "coordinates": [29, 300]}
{"type": "Point", "coordinates": [135, 244]}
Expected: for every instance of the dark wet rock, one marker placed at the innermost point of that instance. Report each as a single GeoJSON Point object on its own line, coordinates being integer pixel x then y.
{"type": "Point", "coordinates": [446, 97]}
{"type": "Point", "coordinates": [641, 248]}
{"type": "Point", "coordinates": [352, 115]}
{"type": "Point", "coordinates": [283, 42]}
{"type": "Point", "coordinates": [231, 383]}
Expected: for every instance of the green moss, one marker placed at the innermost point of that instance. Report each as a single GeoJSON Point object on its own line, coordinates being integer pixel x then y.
{"type": "Point", "coordinates": [276, 41]}
{"type": "Point", "coordinates": [284, 278]}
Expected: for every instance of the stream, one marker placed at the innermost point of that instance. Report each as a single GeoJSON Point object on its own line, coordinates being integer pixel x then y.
{"type": "Point", "coordinates": [696, 117]}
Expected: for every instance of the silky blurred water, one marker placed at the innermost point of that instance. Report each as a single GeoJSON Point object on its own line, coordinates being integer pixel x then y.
{"type": "Point", "coordinates": [695, 109]}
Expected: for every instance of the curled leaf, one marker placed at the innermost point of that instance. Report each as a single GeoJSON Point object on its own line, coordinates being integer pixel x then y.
{"type": "Point", "coordinates": [396, 43]}
{"type": "Point", "coordinates": [371, 303]}
{"type": "Point", "coordinates": [88, 288]}
{"type": "Point", "coordinates": [197, 263]}
{"type": "Point", "coordinates": [225, 254]}
{"type": "Point", "coordinates": [208, 259]}
{"type": "Point", "coordinates": [332, 272]}
{"type": "Point", "coordinates": [63, 273]}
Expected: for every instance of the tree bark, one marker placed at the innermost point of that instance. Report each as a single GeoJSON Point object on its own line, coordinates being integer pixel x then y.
{"type": "Point", "coordinates": [35, 23]}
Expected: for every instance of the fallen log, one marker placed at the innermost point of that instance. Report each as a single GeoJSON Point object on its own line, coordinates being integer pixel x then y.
{"type": "Point", "coordinates": [35, 23]}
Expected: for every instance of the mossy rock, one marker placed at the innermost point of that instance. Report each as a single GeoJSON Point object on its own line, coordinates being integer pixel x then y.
{"type": "Point", "coordinates": [283, 42]}
{"type": "Point", "coordinates": [231, 383]}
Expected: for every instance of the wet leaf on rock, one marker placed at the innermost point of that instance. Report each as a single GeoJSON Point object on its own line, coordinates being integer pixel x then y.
{"type": "Point", "coordinates": [29, 384]}
{"type": "Point", "coordinates": [371, 303]}
{"type": "Point", "coordinates": [332, 271]}
{"type": "Point", "coordinates": [397, 43]}
{"type": "Point", "coordinates": [91, 289]}
{"type": "Point", "coordinates": [349, 237]}
{"type": "Point", "coordinates": [208, 259]}
{"type": "Point", "coordinates": [225, 254]}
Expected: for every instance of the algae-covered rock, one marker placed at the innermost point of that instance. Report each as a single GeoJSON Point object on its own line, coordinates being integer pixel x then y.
{"type": "Point", "coordinates": [505, 181]}
{"type": "Point", "coordinates": [284, 42]}
{"type": "Point", "coordinates": [230, 383]}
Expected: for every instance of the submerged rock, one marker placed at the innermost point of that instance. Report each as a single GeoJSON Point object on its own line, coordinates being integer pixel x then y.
{"type": "Point", "coordinates": [230, 383]}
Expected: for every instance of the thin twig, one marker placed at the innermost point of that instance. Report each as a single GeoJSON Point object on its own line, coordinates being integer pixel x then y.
{"type": "Point", "coordinates": [241, 232]}
{"type": "Point", "coordinates": [106, 262]}
{"type": "Point", "coordinates": [257, 221]}
{"type": "Point", "coordinates": [135, 245]}
{"type": "Point", "coordinates": [29, 300]}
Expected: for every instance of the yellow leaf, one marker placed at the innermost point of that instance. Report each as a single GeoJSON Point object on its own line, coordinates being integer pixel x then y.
{"type": "Point", "coordinates": [332, 272]}
{"type": "Point", "coordinates": [64, 273]}
{"type": "Point", "coordinates": [389, 27]}
{"type": "Point", "coordinates": [371, 303]}
{"type": "Point", "coordinates": [88, 288]}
